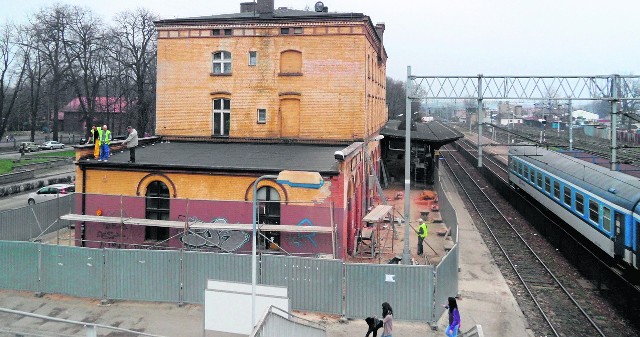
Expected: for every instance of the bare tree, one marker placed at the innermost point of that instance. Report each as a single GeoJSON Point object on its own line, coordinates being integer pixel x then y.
{"type": "Point", "coordinates": [135, 45]}
{"type": "Point", "coordinates": [396, 97]}
{"type": "Point", "coordinates": [12, 70]}
{"type": "Point", "coordinates": [49, 27]}
{"type": "Point", "coordinates": [85, 53]}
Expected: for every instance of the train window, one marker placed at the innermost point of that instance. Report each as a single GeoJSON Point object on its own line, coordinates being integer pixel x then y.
{"type": "Point", "coordinates": [556, 189]}
{"type": "Point", "coordinates": [526, 172]}
{"type": "Point", "coordinates": [547, 184]}
{"type": "Point", "coordinates": [532, 176]}
{"type": "Point", "coordinates": [520, 168]}
{"type": "Point", "coordinates": [567, 195]}
{"type": "Point", "coordinates": [512, 165]}
{"type": "Point", "coordinates": [539, 179]}
{"type": "Point", "coordinates": [579, 203]}
{"type": "Point", "coordinates": [606, 219]}
{"type": "Point", "coordinates": [593, 211]}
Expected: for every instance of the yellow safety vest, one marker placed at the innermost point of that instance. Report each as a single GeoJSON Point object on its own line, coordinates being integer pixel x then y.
{"type": "Point", "coordinates": [425, 230]}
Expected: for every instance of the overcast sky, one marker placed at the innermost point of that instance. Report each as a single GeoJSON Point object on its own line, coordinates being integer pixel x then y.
{"type": "Point", "coordinates": [454, 37]}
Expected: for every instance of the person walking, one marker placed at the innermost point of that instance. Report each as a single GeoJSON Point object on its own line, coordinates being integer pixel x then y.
{"type": "Point", "coordinates": [387, 320]}
{"type": "Point", "coordinates": [131, 142]}
{"type": "Point", "coordinates": [423, 230]}
{"type": "Point", "coordinates": [105, 140]}
{"type": "Point", "coordinates": [95, 138]}
{"type": "Point", "coordinates": [454, 318]}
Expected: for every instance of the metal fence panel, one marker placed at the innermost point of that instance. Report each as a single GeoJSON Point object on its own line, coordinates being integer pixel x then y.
{"type": "Point", "coordinates": [29, 222]}
{"type": "Point", "coordinates": [19, 265]}
{"type": "Point", "coordinates": [199, 267]}
{"type": "Point", "coordinates": [144, 275]}
{"type": "Point", "coordinates": [446, 280]}
{"type": "Point", "coordinates": [73, 271]}
{"type": "Point", "coordinates": [313, 284]}
{"type": "Point", "coordinates": [408, 289]}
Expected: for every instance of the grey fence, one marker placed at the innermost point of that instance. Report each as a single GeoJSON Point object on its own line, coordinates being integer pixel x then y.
{"type": "Point", "coordinates": [409, 290]}
{"type": "Point", "coordinates": [180, 276]}
{"type": "Point", "coordinates": [31, 222]}
{"type": "Point", "coordinates": [313, 284]}
{"type": "Point", "coordinates": [446, 280]}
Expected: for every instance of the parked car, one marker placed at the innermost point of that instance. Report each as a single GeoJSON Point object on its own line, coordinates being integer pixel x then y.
{"type": "Point", "coordinates": [50, 145]}
{"type": "Point", "coordinates": [50, 192]}
{"type": "Point", "coordinates": [28, 147]}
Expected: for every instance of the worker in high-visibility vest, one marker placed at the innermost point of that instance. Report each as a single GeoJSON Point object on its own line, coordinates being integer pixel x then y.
{"type": "Point", "coordinates": [105, 140]}
{"type": "Point", "coordinates": [423, 230]}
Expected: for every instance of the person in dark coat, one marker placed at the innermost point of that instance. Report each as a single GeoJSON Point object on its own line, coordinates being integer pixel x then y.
{"type": "Point", "coordinates": [454, 318]}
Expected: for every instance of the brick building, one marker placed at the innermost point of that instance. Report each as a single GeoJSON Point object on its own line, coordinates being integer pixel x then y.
{"type": "Point", "coordinates": [240, 96]}
{"type": "Point", "coordinates": [108, 110]}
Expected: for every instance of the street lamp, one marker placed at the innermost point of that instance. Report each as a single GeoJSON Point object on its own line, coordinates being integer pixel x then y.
{"type": "Point", "coordinates": [300, 179]}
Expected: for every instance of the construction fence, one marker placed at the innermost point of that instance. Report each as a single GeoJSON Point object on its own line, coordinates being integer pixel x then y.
{"type": "Point", "coordinates": [179, 276]}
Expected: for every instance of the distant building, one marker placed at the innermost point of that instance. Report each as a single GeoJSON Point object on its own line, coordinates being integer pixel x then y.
{"type": "Point", "coordinates": [108, 110]}
{"type": "Point", "coordinates": [240, 96]}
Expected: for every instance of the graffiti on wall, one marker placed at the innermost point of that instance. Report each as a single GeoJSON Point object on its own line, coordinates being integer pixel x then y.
{"type": "Point", "coordinates": [301, 239]}
{"type": "Point", "coordinates": [224, 240]}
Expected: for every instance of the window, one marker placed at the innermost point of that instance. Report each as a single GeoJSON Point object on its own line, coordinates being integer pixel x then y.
{"type": "Point", "coordinates": [297, 30]}
{"type": "Point", "coordinates": [526, 172]}
{"type": "Point", "coordinates": [291, 62]}
{"type": "Point", "coordinates": [253, 58]}
{"type": "Point", "coordinates": [221, 116]}
{"type": "Point", "coordinates": [594, 212]}
{"type": "Point", "coordinates": [547, 184]}
{"type": "Point", "coordinates": [539, 179]}
{"type": "Point", "coordinates": [567, 196]}
{"type": "Point", "coordinates": [532, 176]}
{"type": "Point", "coordinates": [512, 165]}
{"type": "Point", "coordinates": [262, 116]}
{"type": "Point", "coordinates": [218, 32]}
{"type": "Point", "coordinates": [284, 31]}
{"type": "Point", "coordinates": [579, 203]}
{"type": "Point", "coordinates": [556, 190]}
{"type": "Point", "coordinates": [520, 168]}
{"type": "Point", "coordinates": [269, 212]}
{"type": "Point", "coordinates": [606, 219]}
{"type": "Point", "coordinates": [222, 62]}
{"type": "Point", "coordinates": [157, 208]}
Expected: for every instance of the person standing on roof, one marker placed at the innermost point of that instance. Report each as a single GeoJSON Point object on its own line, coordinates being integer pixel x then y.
{"type": "Point", "coordinates": [423, 230]}
{"type": "Point", "coordinates": [131, 142]}
{"type": "Point", "coordinates": [95, 138]}
{"type": "Point", "coordinates": [105, 140]}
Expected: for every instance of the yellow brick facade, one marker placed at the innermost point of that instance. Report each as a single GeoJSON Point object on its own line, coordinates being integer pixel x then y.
{"type": "Point", "coordinates": [339, 91]}
{"type": "Point", "coordinates": [181, 186]}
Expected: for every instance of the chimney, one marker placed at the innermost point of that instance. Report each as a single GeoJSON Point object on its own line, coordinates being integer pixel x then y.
{"type": "Point", "coordinates": [247, 7]}
{"type": "Point", "coordinates": [265, 8]}
{"type": "Point", "coordinates": [380, 31]}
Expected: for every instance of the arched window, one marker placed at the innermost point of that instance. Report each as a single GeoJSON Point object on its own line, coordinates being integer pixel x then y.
{"type": "Point", "coordinates": [291, 62]}
{"type": "Point", "coordinates": [221, 116]}
{"type": "Point", "coordinates": [222, 62]}
{"type": "Point", "coordinates": [269, 211]}
{"type": "Point", "coordinates": [157, 208]}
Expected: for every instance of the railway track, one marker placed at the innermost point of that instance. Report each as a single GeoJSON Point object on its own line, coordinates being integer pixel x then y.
{"type": "Point", "coordinates": [562, 314]}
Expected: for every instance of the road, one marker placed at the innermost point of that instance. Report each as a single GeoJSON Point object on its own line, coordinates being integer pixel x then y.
{"type": "Point", "coordinates": [14, 201]}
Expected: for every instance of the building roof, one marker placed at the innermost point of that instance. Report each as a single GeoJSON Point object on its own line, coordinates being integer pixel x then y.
{"type": "Point", "coordinates": [278, 13]}
{"type": "Point", "coordinates": [228, 157]}
{"type": "Point", "coordinates": [103, 104]}
{"type": "Point", "coordinates": [433, 132]}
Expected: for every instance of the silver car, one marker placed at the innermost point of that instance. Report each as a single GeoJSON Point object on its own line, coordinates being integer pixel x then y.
{"type": "Point", "coordinates": [50, 192]}
{"type": "Point", "coordinates": [50, 145]}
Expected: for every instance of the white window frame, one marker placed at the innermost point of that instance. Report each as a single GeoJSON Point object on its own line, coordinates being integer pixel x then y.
{"type": "Point", "coordinates": [262, 119]}
{"type": "Point", "coordinates": [224, 61]}
{"type": "Point", "coordinates": [224, 114]}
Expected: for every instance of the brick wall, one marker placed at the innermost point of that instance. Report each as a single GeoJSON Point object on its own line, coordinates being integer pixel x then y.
{"type": "Point", "coordinates": [341, 87]}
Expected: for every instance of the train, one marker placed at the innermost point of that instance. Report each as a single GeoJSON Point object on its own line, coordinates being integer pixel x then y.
{"type": "Point", "coordinates": [600, 204]}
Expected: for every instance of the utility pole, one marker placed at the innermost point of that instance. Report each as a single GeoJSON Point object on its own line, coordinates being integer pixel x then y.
{"type": "Point", "coordinates": [406, 256]}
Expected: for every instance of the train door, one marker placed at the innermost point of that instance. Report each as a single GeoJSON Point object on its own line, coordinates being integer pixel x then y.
{"type": "Point", "coordinates": [618, 234]}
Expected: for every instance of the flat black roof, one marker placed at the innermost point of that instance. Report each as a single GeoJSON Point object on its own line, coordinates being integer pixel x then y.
{"type": "Point", "coordinates": [227, 157]}
{"type": "Point", "coordinates": [433, 132]}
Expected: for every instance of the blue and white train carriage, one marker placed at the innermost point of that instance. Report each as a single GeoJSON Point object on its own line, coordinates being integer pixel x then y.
{"type": "Point", "coordinates": [600, 204]}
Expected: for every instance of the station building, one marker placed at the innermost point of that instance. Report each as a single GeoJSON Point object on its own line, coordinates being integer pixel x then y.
{"type": "Point", "coordinates": [240, 96]}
